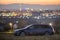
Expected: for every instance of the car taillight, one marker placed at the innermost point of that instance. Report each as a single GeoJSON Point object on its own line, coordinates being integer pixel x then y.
{"type": "Point", "coordinates": [53, 30]}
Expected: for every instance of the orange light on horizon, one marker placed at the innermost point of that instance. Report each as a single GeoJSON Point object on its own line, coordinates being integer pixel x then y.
{"type": "Point", "coordinates": [43, 2]}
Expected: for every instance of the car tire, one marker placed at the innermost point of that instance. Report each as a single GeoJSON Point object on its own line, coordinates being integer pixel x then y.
{"type": "Point", "coordinates": [17, 34]}
{"type": "Point", "coordinates": [22, 34]}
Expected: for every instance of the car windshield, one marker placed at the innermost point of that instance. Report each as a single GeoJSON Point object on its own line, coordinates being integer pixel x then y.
{"type": "Point", "coordinates": [27, 26]}
{"type": "Point", "coordinates": [45, 26]}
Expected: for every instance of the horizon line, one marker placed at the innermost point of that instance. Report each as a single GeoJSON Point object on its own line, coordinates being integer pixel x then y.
{"type": "Point", "coordinates": [30, 4]}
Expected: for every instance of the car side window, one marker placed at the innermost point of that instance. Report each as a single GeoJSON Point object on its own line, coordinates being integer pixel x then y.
{"type": "Point", "coordinates": [45, 26]}
{"type": "Point", "coordinates": [41, 26]}
{"type": "Point", "coordinates": [37, 26]}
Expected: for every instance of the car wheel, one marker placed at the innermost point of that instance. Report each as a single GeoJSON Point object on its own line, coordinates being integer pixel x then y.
{"type": "Point", "coordinates": [18, 34]}
{"type": "Point", "coordinates": [22, 34]}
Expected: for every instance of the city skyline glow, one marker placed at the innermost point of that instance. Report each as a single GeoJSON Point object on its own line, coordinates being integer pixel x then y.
{"type": "Point", "coordinates": [42, 2]}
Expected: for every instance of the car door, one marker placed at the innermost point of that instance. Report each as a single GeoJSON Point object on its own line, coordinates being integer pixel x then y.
{"type": "Point", "coordinates": [34, 29]}
{"type": "Point", "coordinates": [39, 29]}
{"type": "Point", "coordinates": [30, 30]}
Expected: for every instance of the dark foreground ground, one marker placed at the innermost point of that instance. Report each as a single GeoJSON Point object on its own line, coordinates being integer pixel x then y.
{"type": "Point", "coordinates": [8, 36]}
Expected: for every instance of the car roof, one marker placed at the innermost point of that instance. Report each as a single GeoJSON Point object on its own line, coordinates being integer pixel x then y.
{"type": "Point", "coordinates": [42, 24]}
{"type": "Point", "coordinates": [31, 25]}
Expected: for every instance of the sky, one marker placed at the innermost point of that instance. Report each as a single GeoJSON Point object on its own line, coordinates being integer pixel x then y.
{"type": "Point", "coordinates": [42, 2]}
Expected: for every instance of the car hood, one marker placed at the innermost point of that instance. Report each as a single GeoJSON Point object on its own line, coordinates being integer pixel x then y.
{"type": "Point", "coordinates": [22, 28]}
{"type": "Point", "coordinates": [18, 29]}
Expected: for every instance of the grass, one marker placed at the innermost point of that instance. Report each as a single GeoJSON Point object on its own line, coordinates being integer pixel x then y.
{"type": "Point", "coordinates": [4, 36]}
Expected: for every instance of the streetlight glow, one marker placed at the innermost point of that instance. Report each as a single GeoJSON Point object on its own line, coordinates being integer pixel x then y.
{"type": "Point", "coordinates": [10, 24]}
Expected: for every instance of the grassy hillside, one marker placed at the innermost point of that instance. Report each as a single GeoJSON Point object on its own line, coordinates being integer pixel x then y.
{"type": "Point", "coordinates": [12, 37]}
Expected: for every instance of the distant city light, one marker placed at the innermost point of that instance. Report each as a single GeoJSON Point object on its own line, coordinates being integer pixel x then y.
{"type": "Point", "coordinates": [27, 8]}
{"type": "Point", "coordinates": [27, 14]}
{"type": "Point", "coordinates": [40, 9]}
{"type": "Point", "coordinates": [32, 9]}
{"type": "Point", "coordinates": [20, 9]}
{"type": "Point", "coordinates": [46, 14]}
{"type": "Point", "coordinates": [16, 21]}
